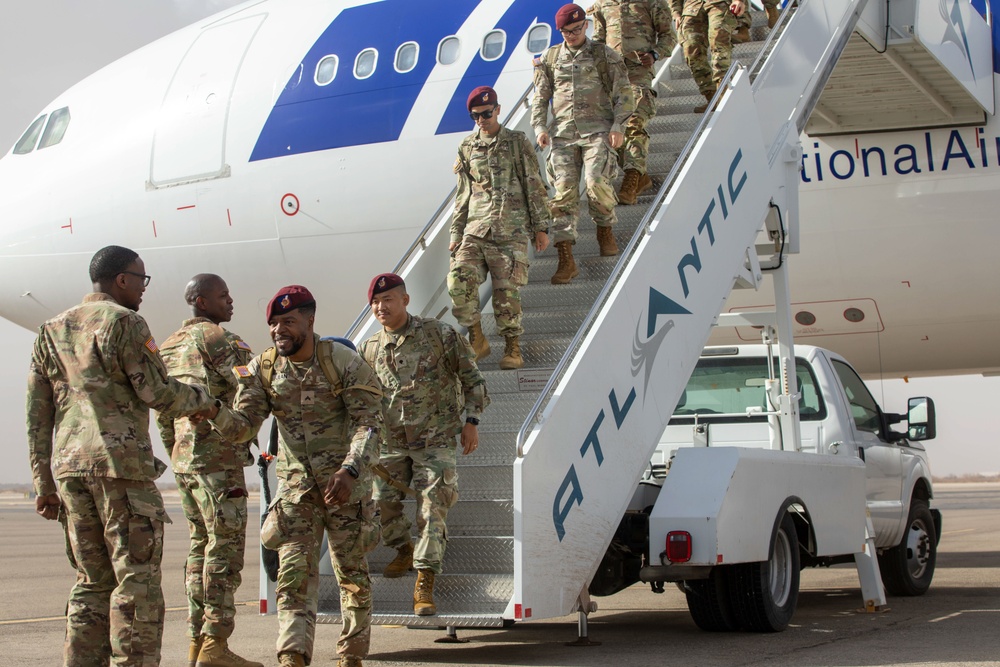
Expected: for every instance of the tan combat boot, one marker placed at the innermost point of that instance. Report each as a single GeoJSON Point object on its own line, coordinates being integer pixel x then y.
{"type": "Point", "coordinates": [702, 108]}
{"type": "Point", "coordinates": [215, 653]}
{"type": "Point", "coordinates": [291, 659]}
{"type": "Point", "coordinates": [629, 189]}
{"type": "Point", "coordinates": [423, 594]}
{"type": "Point", "coordinates": [773, 14]}
{"type": "Point", "coordinates": [645, 183]}
{"type": "Point", "coordinates": [566, 270]}
{"type": "Point", "coordinates": [401, 564]}
{"type": "Point", "coordinates": [606, 239]}
{"type": "Point", "coordinates": [512, 354]}
{"type": "Point", "coordinates": [478, 340]}
{"type": "Point", "coordinates": [741, 36]}
{"type": "Point", "coordinates": [193, 650]}
{"type": "Point", "coordinates": [349, 661]}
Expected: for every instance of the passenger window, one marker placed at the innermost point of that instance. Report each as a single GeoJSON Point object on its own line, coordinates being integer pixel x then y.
{"type": "Point", "coordinates": [364, 64]}
{"type": "Point", "coordinates": [864, 409]}
{"type": "Point", "coordinates": [406, 57]}
{"type": "Point", "coordinates": [326, 70]}
{"type": "Point", "coordinates": [493, 45]}
{"type": "Point", "coordinates": [448, 50]}
{"type": "Point", "coordinates": [26, 143]}
{"type": "Point", "coordinates": [56, 128]}
{"type": "Point", "coordinates": [539, 37]}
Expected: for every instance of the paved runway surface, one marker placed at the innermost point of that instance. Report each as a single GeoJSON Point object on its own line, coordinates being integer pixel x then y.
{"type": "Point", "coordinates": [956, 623]}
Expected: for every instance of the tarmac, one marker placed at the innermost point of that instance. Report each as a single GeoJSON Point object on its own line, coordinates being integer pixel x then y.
{"type": "Point", "coordinates": [956, 623]}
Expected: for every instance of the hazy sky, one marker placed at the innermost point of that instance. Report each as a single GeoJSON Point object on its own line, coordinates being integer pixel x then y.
{"type": "Point", "coordinates": [48, 45]}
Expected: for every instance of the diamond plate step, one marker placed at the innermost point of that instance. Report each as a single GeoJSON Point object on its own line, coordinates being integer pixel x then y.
{"type": "Point", "coordinates": [465, 555]}
{"type": "Point", "coordinates": [535, 322]}
{"type": "Point", "coordinates": [474, 595]}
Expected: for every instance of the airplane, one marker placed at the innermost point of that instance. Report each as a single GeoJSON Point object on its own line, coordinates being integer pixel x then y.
{"type": "Point", "coordinates": [309, 142]}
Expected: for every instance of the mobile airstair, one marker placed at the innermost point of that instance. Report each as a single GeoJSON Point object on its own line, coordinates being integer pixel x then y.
{"type": "Point", "coordinates": [567, 437]}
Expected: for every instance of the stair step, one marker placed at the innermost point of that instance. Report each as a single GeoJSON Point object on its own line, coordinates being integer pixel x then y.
{"type": "Point", "coordinates": [464, 555]}
{"type": "Point", "coordinates": [469, 595]}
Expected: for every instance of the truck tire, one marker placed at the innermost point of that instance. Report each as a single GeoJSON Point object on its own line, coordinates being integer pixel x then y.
{"type": "Point", "coordinates": [908, 567]}
{"type": "Point", "coordinates": [764, 594]}
{"type": "Point", "coordinates": [709, 602]}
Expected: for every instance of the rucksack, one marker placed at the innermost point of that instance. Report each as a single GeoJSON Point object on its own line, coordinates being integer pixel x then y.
{"type": "Point", "coordinates": [325, 353]}
{"type": "Point", "coordinates": [600, 55]}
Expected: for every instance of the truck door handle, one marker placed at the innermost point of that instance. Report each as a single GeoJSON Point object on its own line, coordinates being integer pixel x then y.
{"type": "Point", "coordinates": [861, 453]}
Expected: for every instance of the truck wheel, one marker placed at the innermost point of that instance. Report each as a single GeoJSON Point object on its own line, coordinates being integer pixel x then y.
{"type": "Point", "coordinates": [764, 594]}
{"type": "Point", "coordinates": [709, 602]}
{"type": "Point", "coordinates": [907, 568]}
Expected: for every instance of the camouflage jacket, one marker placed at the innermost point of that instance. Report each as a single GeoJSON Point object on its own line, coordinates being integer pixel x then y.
{"type": "Point", "coordinates": [580, 104]}
{"type": "Point", "coordinates": [201, 352]}
{"type": "Point", "coordinates": [430, 377]}
{"type": "Point", "coordinates": [320, 427]}
{"type": "Point", "coordinates": [500, 189]}
{"type": "Point", "coordinates": [95, 372]}
{"type": "Point", "coordinates": [631, 27]}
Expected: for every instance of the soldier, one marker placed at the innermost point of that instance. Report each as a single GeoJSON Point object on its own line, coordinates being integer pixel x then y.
{"type": "Point", "coordinates": [707, 27]}
{"type": "Point", "coordinates": [501, 203]}
{"type": "Point", "coordinates": [424, 366]}
{"type": "Point", "coordinates": [209, 472]}
{"type": "Point", "coordinates": [95, 372]}
{"type": "Point", "coordinates": [327, 405]}
{"type": "Point", "coordinates": [745, 21]}
{"type": "Point", "coordinates": [641, 31]}
{"type": "Point", "coordinates": [588, 87]}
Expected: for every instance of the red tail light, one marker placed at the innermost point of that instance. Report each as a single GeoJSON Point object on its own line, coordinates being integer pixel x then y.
{"type": "Point", "coordinates": [678, 546]}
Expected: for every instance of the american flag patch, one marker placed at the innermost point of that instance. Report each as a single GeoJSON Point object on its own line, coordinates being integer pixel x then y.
{"type": "Point", "coordinates": [151, 345]}
{"type": "Point", "coordinates": [537, 61]}
{"type": "Point", "coordinates": [243, 346]}
{"type": "Point", "coordinates": [242, 371]}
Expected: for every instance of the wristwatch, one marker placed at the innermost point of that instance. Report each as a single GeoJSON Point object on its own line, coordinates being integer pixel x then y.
{"type": "Point", "coordinates": [472, 420]}
{"type": "Point", "coordinates": [351, 470]}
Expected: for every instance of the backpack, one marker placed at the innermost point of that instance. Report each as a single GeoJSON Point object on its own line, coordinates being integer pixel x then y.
{"type": "Point", "coordinates": [600, 55]}
{"type": "Point", "coordinates": [325, 353]}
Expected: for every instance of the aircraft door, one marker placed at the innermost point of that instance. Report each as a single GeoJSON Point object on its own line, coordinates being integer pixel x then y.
{"type": "Point", "coordinates": [190, 139]}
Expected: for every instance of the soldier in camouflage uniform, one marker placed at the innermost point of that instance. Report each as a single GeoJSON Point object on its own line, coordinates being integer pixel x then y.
{"type": "Point", "coordinates": [425, 366]}
{"type": "Point", "coordinates": [500, 205]}
{"type": "Point", "coordinates": [209, 472]}
{"type": "Point", "coordinates": [588, 86]}
{"type": "Point", "coordinates": [641, 31]}
{"type": "Point", "coordinates": [95, 372]}
{"type": "Point", "coordinates": [707, 27]}
{"type": "Point", "coordinates": [745, 21]}
{"type": "Point", "coordinates": [329, 430]}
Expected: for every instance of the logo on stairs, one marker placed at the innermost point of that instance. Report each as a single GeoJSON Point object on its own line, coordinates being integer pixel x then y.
{"type": "Point", "coordinates": [644, 352]}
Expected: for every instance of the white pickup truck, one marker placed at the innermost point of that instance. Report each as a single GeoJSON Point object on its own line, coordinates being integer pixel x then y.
{"type": "Point", "coordinates": [732, 513]}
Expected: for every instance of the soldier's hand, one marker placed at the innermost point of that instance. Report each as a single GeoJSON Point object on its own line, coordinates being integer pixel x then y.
{"type": "Point", "coordinates": [338, 489]}
{"type": "Point", "coordinates": [543, 139]}
{"type": "Point", "coordinates": [541, 241]}
{"type": "Point", "coordinates": [646, 59]}
{"type": "Point", "coordinates": [616, 139]}
{"type": "Point", "coordinates": [452, 246]}
{"type": "Point", "coordinates": [470, 438]}
{"type": "Point", "coordinates": [738, 7]}
{"type": "Point", "coordinates": [48, 506]}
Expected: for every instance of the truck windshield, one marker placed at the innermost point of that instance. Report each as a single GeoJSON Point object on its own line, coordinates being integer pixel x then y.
{"type": "Point", "coordinates": [734, 384]}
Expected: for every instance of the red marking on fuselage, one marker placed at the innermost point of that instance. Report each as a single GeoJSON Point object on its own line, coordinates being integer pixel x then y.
{"type": "Point", "coordinates": [154, 229]}
{"type": "Point", "coordinates": [229, 216]}
{"type": "Point", "coordinates": [905, 282]}
{"type": "Point", "coordinates": [857, 152]}
{"type": "Point", "coordinates": [69, 226]}
{"type": "Point", "coordinates": [181, 208]}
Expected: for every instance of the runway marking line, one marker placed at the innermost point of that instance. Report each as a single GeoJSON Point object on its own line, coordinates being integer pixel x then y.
{"type": "Point", "coordinates": [46, 619]}
{"type": "Point", "coordinates": [959, 532]}
{"type": "Point", "coordinates": [964, 611]}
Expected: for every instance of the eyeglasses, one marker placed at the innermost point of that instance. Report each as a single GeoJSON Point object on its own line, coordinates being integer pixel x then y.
{"type": "Point", "coordinates": [485, 115]}
{"type": "Point", "coordinates": [575, 31]}
{"type": "Point", "coordinates": [145, 278]}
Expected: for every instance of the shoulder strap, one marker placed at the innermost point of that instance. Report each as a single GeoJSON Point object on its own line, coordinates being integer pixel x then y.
{"type": "Point", "coordinates": [267, 359]}
{"type": "Point", "coordinates": [600, 54]}
{"type": "Point", "coordinates": [326, 349]}
{"type": "Point", "coordinates": [433, 332]}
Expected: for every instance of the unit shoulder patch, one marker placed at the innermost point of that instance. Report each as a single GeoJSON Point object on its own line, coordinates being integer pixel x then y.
{"type": "Point", "coordinates": [243, 346]}
{"type": "Point", "coordinates": [242, 372]}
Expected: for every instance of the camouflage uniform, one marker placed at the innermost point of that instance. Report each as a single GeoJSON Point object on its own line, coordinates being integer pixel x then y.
{"type": "Point", "coordinates": [209, 474]}
{"type": "Point", "coordinates": [633, 27]}
{"type": "Point", "coordinates": [707, 27]}
{"type": "Point", "coordinates": [584, 114]}
{"type": "Point", "coordinates": [320, 429]}
{"type": "Point", "coordinates": [500, 206]}
{"type": "Point", "coordinates": [95, 372]}
{"type": "Point", "coordinates": [424, 369]}
{"type": "Point", "coordinates": [746, 21]}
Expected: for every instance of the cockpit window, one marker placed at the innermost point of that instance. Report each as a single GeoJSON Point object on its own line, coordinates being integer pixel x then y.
{"type": "Point", "coordinates": [326, 70]}
{"type": "Point", "coordinates": [406, 57]}
{"type": "Point", "coordinates": [539, 37]}
{"type": "Point", "coordinates": [448, 50]}
{"type": "Point", "coordinates": [493, 45]}
{"type": "Point", "coordinates": [56, 128]}
{"type": "Point", "coordinates": [27, 142]}
{"type": "Point", "coordinates": [364, 64]}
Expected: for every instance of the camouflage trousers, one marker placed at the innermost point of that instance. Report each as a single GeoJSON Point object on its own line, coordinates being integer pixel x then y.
{"type": "Point", "coordinates": [215, 505]}
{"type": "Point", "coordinates": [635, 150]}
{"type": "Point", "coordinates": [708, 46]}
{"type": "Point", "coordinates": [596, 160]}
{"type": "Point", "coordinates": [745, 21]}
{"type": "Point", "coordinates": [114, 540]}
{"type": "Point", "coordinates": [353, 532]}
{"type": "Point", "coordinates": [507, 264]}
{"type": "Point", "coordinates": [430, 472]}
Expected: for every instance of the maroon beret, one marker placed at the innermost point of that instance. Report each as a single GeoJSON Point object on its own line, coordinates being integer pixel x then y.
{"type": "Point", "coordinates": [482, 96]}
{"type": "Point", "coordinates": [568, 14]}
{"type": "Point", "coordinates": [383, 282]}
{"type": "Point", "coordinates": [288, 299]}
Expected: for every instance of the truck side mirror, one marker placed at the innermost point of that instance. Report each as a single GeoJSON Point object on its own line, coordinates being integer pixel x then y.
{"type": "Point", "coordinates": [921, 420]}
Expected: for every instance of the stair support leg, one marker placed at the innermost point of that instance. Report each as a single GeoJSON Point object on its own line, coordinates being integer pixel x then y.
{"type": "Point", "coordinates": [866, 561]}
{"type": "Point", "coordinates": [584, 607]}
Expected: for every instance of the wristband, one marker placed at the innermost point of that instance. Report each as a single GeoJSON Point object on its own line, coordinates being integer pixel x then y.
{"type": "Point", "coordinates": [472, 420]}
{"type": "Point", "coordinates": [351, 470]}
